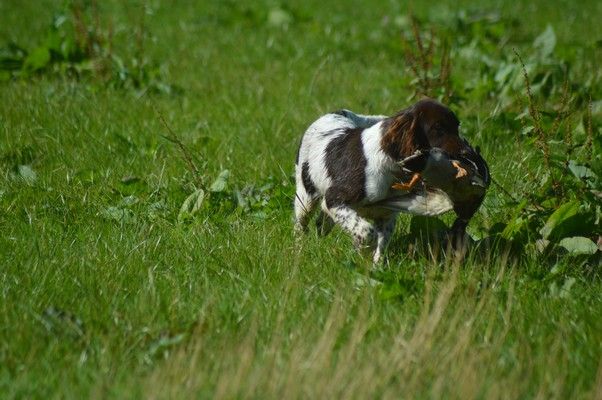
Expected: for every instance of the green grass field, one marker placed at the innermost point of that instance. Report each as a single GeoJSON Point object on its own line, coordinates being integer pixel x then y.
{"type": "Point", "coordinates": [110, 288]}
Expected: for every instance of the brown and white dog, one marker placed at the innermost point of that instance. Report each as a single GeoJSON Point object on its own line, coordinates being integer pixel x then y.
{"type": "Point", "coordinates": [347, 163]}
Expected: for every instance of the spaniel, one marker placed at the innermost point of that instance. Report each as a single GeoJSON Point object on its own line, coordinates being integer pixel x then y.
{"type": "Point", "coordinates": [348, 164]}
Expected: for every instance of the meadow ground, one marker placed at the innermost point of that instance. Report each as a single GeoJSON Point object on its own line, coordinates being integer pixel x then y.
{"type": "Point", "coordinates": [125, 273]}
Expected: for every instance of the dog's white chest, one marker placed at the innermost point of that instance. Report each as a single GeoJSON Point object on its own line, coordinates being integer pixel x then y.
{"type": "Point", "coordinates": [379, 167]}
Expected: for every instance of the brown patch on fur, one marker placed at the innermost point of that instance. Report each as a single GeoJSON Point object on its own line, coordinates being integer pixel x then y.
{"type": "Point", "coordinates": [452, 144]}
{"type": "Point", "coordinates": [346, 166]}
{"type": "Point", "coordinates": [426, 124]}
{"type": "Point", "coordinates": [403, 136]}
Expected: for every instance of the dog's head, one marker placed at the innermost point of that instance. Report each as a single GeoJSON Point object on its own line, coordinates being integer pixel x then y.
{"type": "Point", "coordinates": [426, 124]}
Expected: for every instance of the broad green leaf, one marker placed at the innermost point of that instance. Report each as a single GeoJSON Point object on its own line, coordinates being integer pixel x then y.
{"type": "Point", "coordinates": [527, 130]}
{"type": "Point", "coordinates": [581, 171]}
{"type": "Point", "coordinates": [132, 185]}
{"type": "Point", "coordinates": [596, 108]}
{"type": "Point", "coordinates": [515, 228]}
{"type": "Point", "coordinates": [128, 201]}
{"type": "Point", "coordinates": [541, 245]}
{"type": "Point", "coordinates": [279, 17]}
{"type": "Point", "coordinates": [68, 49]}
{"type": "Point", "coordinates": [362, 280]}
{"type": "Point", "coordinates": [164, 343]}
{"type": "Point", "coordinates": [53, 42]}
{"type": "Point", "coordinates": [390, 290]}
{"type": "Point", "coordinates": [27, 174]}
{"type": "Point", "coordinates": [11, 57]}
{"type": "Point", "coordinates": [37, 59]}
{"type": "Point", "coordinates": [61, 322]}
{"type": "Point", "coordinates": [398, 289]}
{"type": "Point", "coordinates": [156, 210]}
{"type": "Point", "coordinates": [579, 245]}
{"type": "Point", "coordinates": [117, 214]}
{"type": "Point", "coordinates": [504, 72]}
{"type": "Point", "coordinates": [564, 291]}
{"type": "Point", "coordinates": [563, 214]}
{"type": "Point", "coordinates": [58, 20]}
{"type": "Point", "coordinates": [516, 225]}
{"type": "Point", "coordinates": [191, 205]}
{"type": "Point", "coordinates": [219, 185]}
{"type": "Point", "coordinates": [546, 42]}
{"type": "Point", "coordinates": [199, 200]}
{"type": "Point", "coordinates": [402, 21]}
{"type": "Point", "coordinates": [194, 201]}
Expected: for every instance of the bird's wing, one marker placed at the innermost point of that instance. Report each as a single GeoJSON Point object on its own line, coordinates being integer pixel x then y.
{"type": "Point", "coordinates": [427, 202]}
{"type": "Point", "coordinates": [416, 162]}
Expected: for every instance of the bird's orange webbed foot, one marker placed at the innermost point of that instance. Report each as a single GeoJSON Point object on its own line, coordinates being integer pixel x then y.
{"type": "Point", "coordinates": [407, 186]}
{"type": "Point", "coordinates": [461, 171]}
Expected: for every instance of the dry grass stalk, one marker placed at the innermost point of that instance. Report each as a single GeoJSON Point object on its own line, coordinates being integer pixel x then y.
{"type": "Point", "coordinates": [81, 31]}
{"type": "Point", "coordinates": [535, 115]}
{"type": "Point", "coordinates": [91, 37]}
{"type": "Point", "coordinates": [563, 110]}
{"type": "Point", "coordinates": [440, 354]}
{"type": "Point", "coordinates": [568, 138]}
{"type": "Point", "coordinates": [420, 57]}
{"type": "Point", "coordinates": [540, 132]}
{"type": "Point", "coordinates": [184, 152]}
{"type": "Point", "coordinates": [589, 149]}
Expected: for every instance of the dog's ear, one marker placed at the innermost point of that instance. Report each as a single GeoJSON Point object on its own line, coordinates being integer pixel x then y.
{"type": "Point", "coordinates": [403, 135]}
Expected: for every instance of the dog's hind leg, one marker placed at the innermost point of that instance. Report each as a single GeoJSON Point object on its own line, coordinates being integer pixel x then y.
{"type": "Point", "coordinates": [362, 231]}
{"type": "Point", "coordinates": [306, 197]}
{"type": "Point", "coordinates": [304, 205]}
{"type": "Point", "coordinates": [303, 212]}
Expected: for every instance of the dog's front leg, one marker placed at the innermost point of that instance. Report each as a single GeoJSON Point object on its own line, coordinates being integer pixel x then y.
{"type": "Point", "coordinates": [363, 232]}
{"type": "Point", "coordinates": [384, 230]}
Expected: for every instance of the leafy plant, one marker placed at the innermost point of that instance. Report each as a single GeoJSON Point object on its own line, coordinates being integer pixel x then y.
{"type": "Point", "coordinates": [257, 200]}
{"type": "Point", "coordinates": [77, 45]}
{"type": "Point", "coordinates": [563, 212]}
{"type": "Point", "coordinates": [564, 209]}
{"type": "Point", "coordinates": [432, 74]}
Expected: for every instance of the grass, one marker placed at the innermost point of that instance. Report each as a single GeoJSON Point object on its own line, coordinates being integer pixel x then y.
{"type": "Point", "coordinates": [105, 292]}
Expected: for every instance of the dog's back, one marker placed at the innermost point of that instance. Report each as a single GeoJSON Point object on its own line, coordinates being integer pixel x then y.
{"type": "Point", "coordinates": [332, 149]}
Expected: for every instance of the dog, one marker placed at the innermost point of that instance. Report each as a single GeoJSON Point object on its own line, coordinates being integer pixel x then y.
{"type": "Point", "coordinates": [347, 164]}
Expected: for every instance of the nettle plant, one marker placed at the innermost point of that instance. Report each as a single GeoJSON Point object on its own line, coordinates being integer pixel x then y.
{"type": "Point", "coordinates": [79, 45]}
{"type": "Point", "coordinates": [563, 209]}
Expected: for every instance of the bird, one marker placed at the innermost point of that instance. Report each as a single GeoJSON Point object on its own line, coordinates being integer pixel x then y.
{"type": "Point", "coordinates": [441, 182]}
{"type": "Point", "coordinates": [440, 169]}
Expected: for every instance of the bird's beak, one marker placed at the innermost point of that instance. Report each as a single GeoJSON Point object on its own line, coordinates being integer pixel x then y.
{"type": "Point", "coordinates": [477, 181]}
